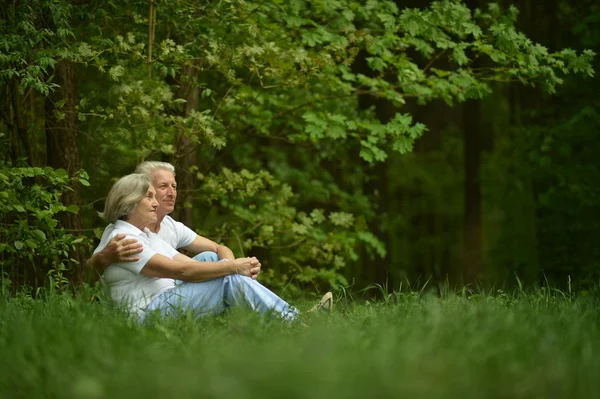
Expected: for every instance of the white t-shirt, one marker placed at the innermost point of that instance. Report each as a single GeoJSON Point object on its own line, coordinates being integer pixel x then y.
{"type": "Point", "coordinates": [126, 284]}
{"type": "Point", "coordinates": [176, 234]}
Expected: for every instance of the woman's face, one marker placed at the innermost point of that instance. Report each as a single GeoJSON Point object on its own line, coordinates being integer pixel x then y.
{"type": "Point", "coordinates": [145, 210]}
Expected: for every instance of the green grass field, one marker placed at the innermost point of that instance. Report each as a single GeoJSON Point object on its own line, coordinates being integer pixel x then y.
{"type": "Point", "coordinates": [485, 346]}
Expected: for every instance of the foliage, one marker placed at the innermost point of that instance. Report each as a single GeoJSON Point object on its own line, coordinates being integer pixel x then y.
{"type": "Point", "coordinates": [287, 124]}
{"type": "Point", "coordinates": [561, 150]}
{"type": "Point", "coordinates": [276, 78]}
{"type": "Point", "coordinates": [258, 204]}
{"type": "Point", "coordinates": [544, 173]}
{"type": "Point", "coordinates": [259, 78]}
{"type": "Point", "coordinates": [30, 236]}
{"type": "Point", "coordinates": [33, 37]}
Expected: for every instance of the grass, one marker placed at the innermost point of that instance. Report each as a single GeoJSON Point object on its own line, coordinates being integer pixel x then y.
{"type": "Point", "coordinates": [541, 345]}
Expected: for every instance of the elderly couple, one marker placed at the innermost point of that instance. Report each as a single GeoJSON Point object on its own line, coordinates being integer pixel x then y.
{"type": "Point", "coordinates": [144, 271]}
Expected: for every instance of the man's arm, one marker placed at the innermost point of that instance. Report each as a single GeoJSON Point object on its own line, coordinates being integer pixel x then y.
{"type": "Point", "coordinates": [117, 250]}
{"type": "Point", "coordinates": [185, 269]}
{"type": "Point", "coordinates": [201, 244]}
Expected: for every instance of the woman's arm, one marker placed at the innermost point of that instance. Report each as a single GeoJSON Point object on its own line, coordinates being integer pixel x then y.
{"type": "Point", "coordinates": [185, 269]}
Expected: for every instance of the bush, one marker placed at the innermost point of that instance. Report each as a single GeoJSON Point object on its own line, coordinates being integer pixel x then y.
{"type": "Point", "coordinates": [33, 247]}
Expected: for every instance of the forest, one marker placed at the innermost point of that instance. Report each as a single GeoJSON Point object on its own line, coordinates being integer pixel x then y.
{"type": "Point", "coordinates": [343, 143]}
{"type": "Point", "coordinates": [428, 169]}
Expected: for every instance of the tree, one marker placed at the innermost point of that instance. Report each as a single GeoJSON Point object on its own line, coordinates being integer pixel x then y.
{"type": "Point", "coordinates": [243, 75]}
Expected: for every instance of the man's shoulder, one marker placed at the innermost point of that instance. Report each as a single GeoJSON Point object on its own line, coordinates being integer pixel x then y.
{"type": "Point", "coordinates": [176, 233]}
{"type": "Point", "coordinates": [168, 221]}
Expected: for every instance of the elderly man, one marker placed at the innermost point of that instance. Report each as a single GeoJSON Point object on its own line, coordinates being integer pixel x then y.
{"type": "Point", "coordinates": [176, 234]}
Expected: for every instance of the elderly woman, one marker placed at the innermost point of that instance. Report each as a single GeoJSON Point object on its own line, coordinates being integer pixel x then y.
{"type": "Point", "coordinates": [163, 279]}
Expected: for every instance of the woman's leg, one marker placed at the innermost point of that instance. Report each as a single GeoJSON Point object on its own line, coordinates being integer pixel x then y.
{"type": "Point", "coordinates": [214, 296]}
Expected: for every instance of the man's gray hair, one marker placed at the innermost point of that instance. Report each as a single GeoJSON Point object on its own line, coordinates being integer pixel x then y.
{"type": "Point", "coordinates": [124, 196]}
{"type": "Point", "coordinates": [148, 166]}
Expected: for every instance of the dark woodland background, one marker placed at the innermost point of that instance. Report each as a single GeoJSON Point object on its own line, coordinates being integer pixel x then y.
{"type": "Point", "coordinates": [291, 126]}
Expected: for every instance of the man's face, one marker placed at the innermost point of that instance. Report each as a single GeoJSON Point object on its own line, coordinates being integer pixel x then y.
{"type": "Point", "coordinates": [166, 190]}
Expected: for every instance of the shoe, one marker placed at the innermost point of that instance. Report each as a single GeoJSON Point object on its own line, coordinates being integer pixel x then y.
{"type": "Point", "coordinates": [325, 305]}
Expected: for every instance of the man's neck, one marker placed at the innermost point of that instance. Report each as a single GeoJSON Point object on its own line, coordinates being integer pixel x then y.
{"type": "Point", "coordinates": [155, 227]}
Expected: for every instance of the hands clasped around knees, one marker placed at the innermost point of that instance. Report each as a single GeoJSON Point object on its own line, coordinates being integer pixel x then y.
{"type": "Point", "coordinates": [247, 267]}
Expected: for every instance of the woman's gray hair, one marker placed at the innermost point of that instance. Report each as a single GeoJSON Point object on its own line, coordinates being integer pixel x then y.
{"type": "Point", "coordinates": [148, 166]}
{"type": "Point", "coordinates": [124, 196]}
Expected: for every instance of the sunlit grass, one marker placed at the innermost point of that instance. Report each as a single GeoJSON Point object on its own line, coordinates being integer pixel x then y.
{"type": "Point", "coordinates": [411, 345]}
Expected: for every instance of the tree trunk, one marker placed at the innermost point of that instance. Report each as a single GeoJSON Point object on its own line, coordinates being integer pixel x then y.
{"type": "Point", "coordinates": [186, 152]}
{"type": "Point", "coordinates": [472, 230]}
{"type": "Point", "coordinates": [541, 23]}
{"type": "Point", "coordinates": [379, 271]}
{"type": "Point", "coordinates": [14, 117]}
{"type": "Point", "coordinates": [61, 146]}
{"type": "Point", "coordinates": [472, 262]}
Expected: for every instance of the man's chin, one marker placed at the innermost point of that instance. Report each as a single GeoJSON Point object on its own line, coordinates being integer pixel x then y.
{"type": "Point", "coordinates": [166, 210]}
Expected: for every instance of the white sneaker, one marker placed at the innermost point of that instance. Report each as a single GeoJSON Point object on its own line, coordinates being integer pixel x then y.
{"type": "Point", "coordinates": [325, 305]}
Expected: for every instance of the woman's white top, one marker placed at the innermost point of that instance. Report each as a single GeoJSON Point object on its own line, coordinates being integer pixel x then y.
{"type": "Point", "coordinates": [127, 286]}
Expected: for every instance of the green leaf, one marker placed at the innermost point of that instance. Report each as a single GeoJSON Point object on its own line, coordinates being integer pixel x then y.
{"type": "Point", "coordinates": [370, 239]}
{"type": "Point", "coordinates": [40, 234]}
{"type": "Point", "coordinates": [116, 72]}
{"type": "Point", "coordinates": [376, 63]}
{"type": "Point", "coordinates": [299, 229]}
{"type": "Point", "coordinates": [317, 216]}
{"type": "Point", "coordinates": [72, 208]}
{"type": "Point", "coordinates": [458, 54]}
{"type": "Point", "coordinates": [342, 219]}
{"type": "Point", "coordinates": [19, 245]}
{"type": "Point", "coordinates": [54, 208]}
{"type": "Point", "coordinates": [61, 172]}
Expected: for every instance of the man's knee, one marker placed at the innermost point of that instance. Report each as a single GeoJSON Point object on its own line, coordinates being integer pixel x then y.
{"type": "Point", "coordinates": [240, 283]}
{"type": "Point", "coordinates": [207, 256]}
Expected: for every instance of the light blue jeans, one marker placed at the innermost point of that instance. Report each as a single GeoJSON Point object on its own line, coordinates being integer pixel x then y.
{"type": "Point", "coordinates": [215, 296]}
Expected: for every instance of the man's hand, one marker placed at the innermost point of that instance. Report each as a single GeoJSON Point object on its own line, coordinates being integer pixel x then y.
{"type": "Point", "coordinates": [120, 250]}
{"type": "Point", "coordinates": [247, 267]}
{"type": "Point", "coordinates": [117, 250]}
{"type": "Point", "coordinates": [255, 271]}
